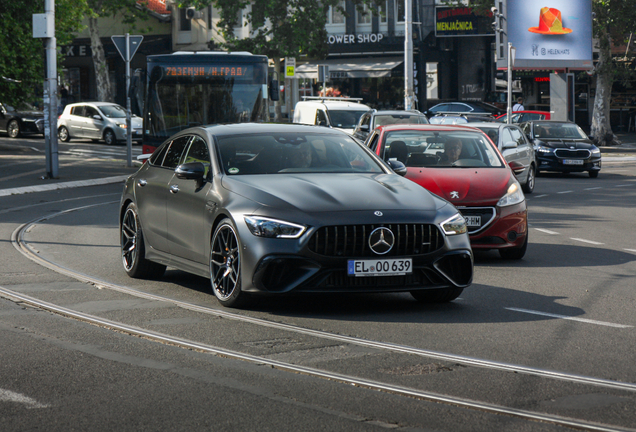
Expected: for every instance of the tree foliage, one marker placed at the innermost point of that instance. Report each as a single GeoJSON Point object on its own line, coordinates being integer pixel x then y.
{"type": "Point", "coordinates": [23, 56]}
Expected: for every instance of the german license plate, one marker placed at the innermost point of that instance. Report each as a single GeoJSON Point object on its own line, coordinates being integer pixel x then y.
{"type": "Point", "coordinates": [473, 221]}
{"type": "Point", "coordinates": [380, 267]}
{"type": "Point", "coordinates": [572, 162]}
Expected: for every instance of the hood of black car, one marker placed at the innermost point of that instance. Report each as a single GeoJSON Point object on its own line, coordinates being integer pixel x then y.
{"type": "Point", "coordinates": [566, 143]}
{"type": "Point", "coordinates": [334, 192]}
{"type": "Point", "coordinates": [28, 114]}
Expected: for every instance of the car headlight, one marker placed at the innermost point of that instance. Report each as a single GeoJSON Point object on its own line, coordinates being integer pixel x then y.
{"type": "Point", "coordinates": [122, 125]}
{"type": "Point", "coordinates": [273, 228]}
{"type": "Point", "coordinates": [454, 225]}
{"type": "Point", "coordinates": [596, 152]}
{"type": "Point", "coordinates": [514, 195]}
{"type": "Point", "coordinates": [542, 149]}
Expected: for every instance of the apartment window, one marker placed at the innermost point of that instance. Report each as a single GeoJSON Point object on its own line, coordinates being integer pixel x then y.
{"type": "Point", "coordinates": [382, 10]}
{"type": "Point", "coordinates": [335, 15]}
{"type": "Point", "coordinates": [184, 23]}
{"type": "Point", "coordinates": [364, 16]}
{"type": "Point", "coordinates": [400, 15]}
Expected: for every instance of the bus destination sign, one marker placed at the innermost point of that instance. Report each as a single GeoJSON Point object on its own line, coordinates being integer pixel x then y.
{"type": "Point", "coordinates": [210, 71]}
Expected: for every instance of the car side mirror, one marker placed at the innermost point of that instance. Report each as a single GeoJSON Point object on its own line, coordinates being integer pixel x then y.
{"type": "Point", "coordinates": [398, 167]}
{"type": "Point", "coordinates": [509, 145]}
{"type": "Point", "coordinates": [96, 117]}
{"type": "Point", "coordinates": [364, 128]}
{"type": "Point", "coordinates": [191, 171]}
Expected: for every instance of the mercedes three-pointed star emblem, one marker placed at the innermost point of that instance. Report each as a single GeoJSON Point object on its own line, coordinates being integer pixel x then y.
{"type": "Point", "coordinates": [381, 240]}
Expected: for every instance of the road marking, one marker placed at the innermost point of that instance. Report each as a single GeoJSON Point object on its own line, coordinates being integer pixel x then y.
{"type": "Point", "coordinates": [9, 396]}
{"type": "Point", "coordinates": [623, 185]}
{"type": "Point", "coordinates": [547, 231]}
{"type": "Point", "coordinates": [594, 188]}
{"type": "Point", "coordinates": [589, 321]}
{"type": "Point", "coordinates": [631, 250]}
{"type": "Point", "coordinates": [540, 196]}
{"type": "Point", "coordinates": [586, 241]}
{"type": "Point", "coordinates": [564, 192]}
{"type": "Point", "coordinates": [64, 185]}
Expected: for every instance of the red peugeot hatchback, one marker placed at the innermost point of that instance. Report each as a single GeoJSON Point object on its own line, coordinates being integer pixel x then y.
{"type": "Point", "coordinates": [460, 164]}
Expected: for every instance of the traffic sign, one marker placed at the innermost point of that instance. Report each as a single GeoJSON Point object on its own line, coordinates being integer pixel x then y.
{"type": "Point", "coordinates": [290, 67]}
{"type": "Point", "coordinates": [133, 45]}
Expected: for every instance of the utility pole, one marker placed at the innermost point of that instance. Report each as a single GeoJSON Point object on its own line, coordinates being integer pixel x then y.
{"type": "Point", "coordinates": [408, 55]}
{"type": "Point", "coordinates": [44, 28]}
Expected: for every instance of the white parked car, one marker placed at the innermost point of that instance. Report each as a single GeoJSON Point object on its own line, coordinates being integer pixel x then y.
{"type": "Point", "coordinates": [338, 113]}
{"type": "Point", "coordinates": [97, 121]}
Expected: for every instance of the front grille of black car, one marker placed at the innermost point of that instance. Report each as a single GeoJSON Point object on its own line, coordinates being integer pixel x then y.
{"type": "Point", "coordinates": [340, 280]}
{"type": "Point", "coordinates": [487, 215]}
{"type": "Point", "coordinates": [353, 240]}
{"type": "Point", "coordinates": [572, 153]}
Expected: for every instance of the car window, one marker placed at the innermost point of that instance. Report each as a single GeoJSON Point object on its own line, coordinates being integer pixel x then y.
{"type": "Point", "coordinates": [78, 110]}
{"type": "Point", "coordinates": [506, 136]}
{"type": "Point", "coordinates": [90, 112]}
{"type": "Point", "coordinates": [434, 148]}
{"type": "Point", "coordinates": [198, 152]}
{"type": "Point", "coordinates": [373, 142]}
{"type": "Point", "coordinates": [381, 120]}
{"type": "Point", "coordinates": [113, 111]}
{"type": "Point", "coordinates": [456, 107]}
{"type": "Point", "coordinates": [321, 118]}
{"type": "Point", "coordinates": [173, 156]}
{"type": "Point", "coordinates": [365, 120]}
{"type": "Point", "coordinates": [294, 152]}
{"type": "Point", "coordinates": [344, 118]}
{"type": "Point", "coordinates": [518, 137]}
{"type": "Point", "coordinates": [158, 155]}
{"type": "Point", "coordinates": [440, 108]}
{"type": "Point", "coordinates": [533, 116]}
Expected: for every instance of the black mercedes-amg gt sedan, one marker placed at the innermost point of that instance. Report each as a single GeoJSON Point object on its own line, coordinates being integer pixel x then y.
{"type": "Point", "coordinates": [274, 209]}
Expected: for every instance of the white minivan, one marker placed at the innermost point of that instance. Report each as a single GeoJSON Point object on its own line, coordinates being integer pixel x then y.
{"type": "Point", "coordinates": [339, 113]}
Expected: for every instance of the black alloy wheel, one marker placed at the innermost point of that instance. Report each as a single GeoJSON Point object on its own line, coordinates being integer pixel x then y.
{"type": "Point", "coordinates": [63, 135]}
{"type": "Point", "coordinates": [13, 128]}
{"type": "Point", "coordinates": [109, 137]}
{"type": "Point", "coordinates": [133, 248]}
{"type": "Point", "coordinates": [442, 295]}
{"type": "Point", "coordinates": [225, 265]}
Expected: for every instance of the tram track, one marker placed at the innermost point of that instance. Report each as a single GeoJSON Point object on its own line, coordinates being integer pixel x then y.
{"type": "Point", "coordinates": [18, 241]}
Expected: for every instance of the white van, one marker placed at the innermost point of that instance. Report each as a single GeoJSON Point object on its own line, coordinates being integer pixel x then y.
{"type": "Point", "coordinates": [339, 113]}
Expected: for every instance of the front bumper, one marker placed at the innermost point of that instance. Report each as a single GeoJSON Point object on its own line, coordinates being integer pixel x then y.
{"type": "Point", "coordinates": [554, 163]}
{"type": "Point", "coordinates": [508, 229]}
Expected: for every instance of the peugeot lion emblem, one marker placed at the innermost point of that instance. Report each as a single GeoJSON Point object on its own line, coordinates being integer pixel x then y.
{"type": "Point", "coordinates": [454, 194]}
{"type": "Point", "coordinates": [381, 240]}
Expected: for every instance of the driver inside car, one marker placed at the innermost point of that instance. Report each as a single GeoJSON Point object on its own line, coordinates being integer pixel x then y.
{"type": "Point", "coordinates": [452, 150]}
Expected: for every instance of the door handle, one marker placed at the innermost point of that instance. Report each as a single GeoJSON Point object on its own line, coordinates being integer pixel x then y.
{"type": "Point", "coordinates": [174, 189]}
{"type": "Point", "coordinates": [142, 182]}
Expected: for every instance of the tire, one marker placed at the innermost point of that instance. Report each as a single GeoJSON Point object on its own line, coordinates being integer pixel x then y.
{"type": "Point", "coordinates": [13, 129]}
{"type": "Point", "coordinates": [63, 134]}
{"type": "Point", "coordinates": [109, 137]}
{"type": "Point", "coordinates": [594, 174]}
{"type": "Point", "coordinates": [528, 187]}
{"type": "Point", "coordinates": [443, 295]}
{"type": "Point", "coordinates": [225, 265]}
{"type": "Point", "coordinates": [133, 248]}
{"type": "Point", "coordinates": [515, 253]}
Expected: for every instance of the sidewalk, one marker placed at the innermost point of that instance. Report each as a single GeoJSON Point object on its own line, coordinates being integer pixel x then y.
{"type": "Point", "coordinates": [23, 170]}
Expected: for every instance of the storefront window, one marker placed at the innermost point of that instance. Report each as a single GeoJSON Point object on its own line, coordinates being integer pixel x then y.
{"type": "Point", "coordinates": [335, 15]}
{"type": "Point", "coordinates": [364, 16]}
{"type": "Point", "coordinates": [399, 11]}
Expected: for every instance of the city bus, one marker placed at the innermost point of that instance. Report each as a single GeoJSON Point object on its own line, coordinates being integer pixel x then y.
{"type": "Point", "coordinates": [186, 89]}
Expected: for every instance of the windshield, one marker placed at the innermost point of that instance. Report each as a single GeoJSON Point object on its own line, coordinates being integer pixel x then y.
{"type": "Point", "coordinates": [387, 119]}
{"type": "Point", "coordinates": [344, 118]}
{"type": "Point", "coordinates": [559, 130]}
{"type": "Point", "coordinates": [113, 111]}
{"type": "Point", "coordinates": [294, 152]}
{"type": "Point", "coordinates": [463, 149]}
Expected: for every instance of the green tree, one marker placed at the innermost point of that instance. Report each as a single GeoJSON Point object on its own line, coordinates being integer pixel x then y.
{"type": "Point", "coordinates": [22, 56]}
{"type": "Point", "coordinates": [613, 22]}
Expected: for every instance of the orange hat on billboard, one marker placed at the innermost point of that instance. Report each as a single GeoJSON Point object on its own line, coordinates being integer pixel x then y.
{"type": "Point", "coordinates": [550, 23]}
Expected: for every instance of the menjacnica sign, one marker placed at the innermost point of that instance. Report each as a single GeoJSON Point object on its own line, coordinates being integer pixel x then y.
{"type": "Point", "coordinates": [460, 21]}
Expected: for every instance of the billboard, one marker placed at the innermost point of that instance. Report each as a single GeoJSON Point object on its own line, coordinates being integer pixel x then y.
{"type": "Point", "coordinates": [461, 21]}
{"type": "Point", "coordinates": [553, 34]}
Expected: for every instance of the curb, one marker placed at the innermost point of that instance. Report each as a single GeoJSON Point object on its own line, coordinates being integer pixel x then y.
{"type": "Point", "coordinates": [64, 185]}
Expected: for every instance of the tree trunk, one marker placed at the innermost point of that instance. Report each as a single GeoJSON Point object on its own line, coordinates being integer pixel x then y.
{"type": "Point", "coordinates": [601, 130]}
{"type": "Point", "coordinates": [104, 89]}
{"type": "Point", "coordinates": [278, 114]}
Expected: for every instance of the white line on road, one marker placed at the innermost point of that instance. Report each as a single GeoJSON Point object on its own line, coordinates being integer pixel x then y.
{"type": "Point", "coordinates": [594, 188]}
{"type": "Point", "coordinates": [547, 231]}
{"type": "Point", "coordinates": [589, 321]}
{"type": "Point", "coordinates": [540, 196]}
{"type": "Point", "coordinates": [9, 396]}
{"type": "Point", "coordinates": [586, 241]}
{"type": "Point", "coordinates": [631, 250]}
{"type": "Point", "coordinates": [564, 192]}
{"type": "Point", "coordinates": [623, 185]}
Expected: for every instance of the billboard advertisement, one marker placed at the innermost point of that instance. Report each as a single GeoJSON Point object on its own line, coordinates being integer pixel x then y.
{"type": "Point", "coordinates": [552, 34]}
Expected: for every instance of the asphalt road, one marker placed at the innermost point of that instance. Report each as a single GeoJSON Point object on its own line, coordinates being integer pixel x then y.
{"type": "Point", "coordinates": [545, 343]}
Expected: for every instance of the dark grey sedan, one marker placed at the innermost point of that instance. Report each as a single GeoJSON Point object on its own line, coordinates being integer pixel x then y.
{"type": "Point", "coordinates": [274, 209]}
{"type": "Point", "coordinates": [21, 120]}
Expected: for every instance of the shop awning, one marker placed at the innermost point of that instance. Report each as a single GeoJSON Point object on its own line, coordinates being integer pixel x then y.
{"type": "Point", "coordinates": [377, 67]}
